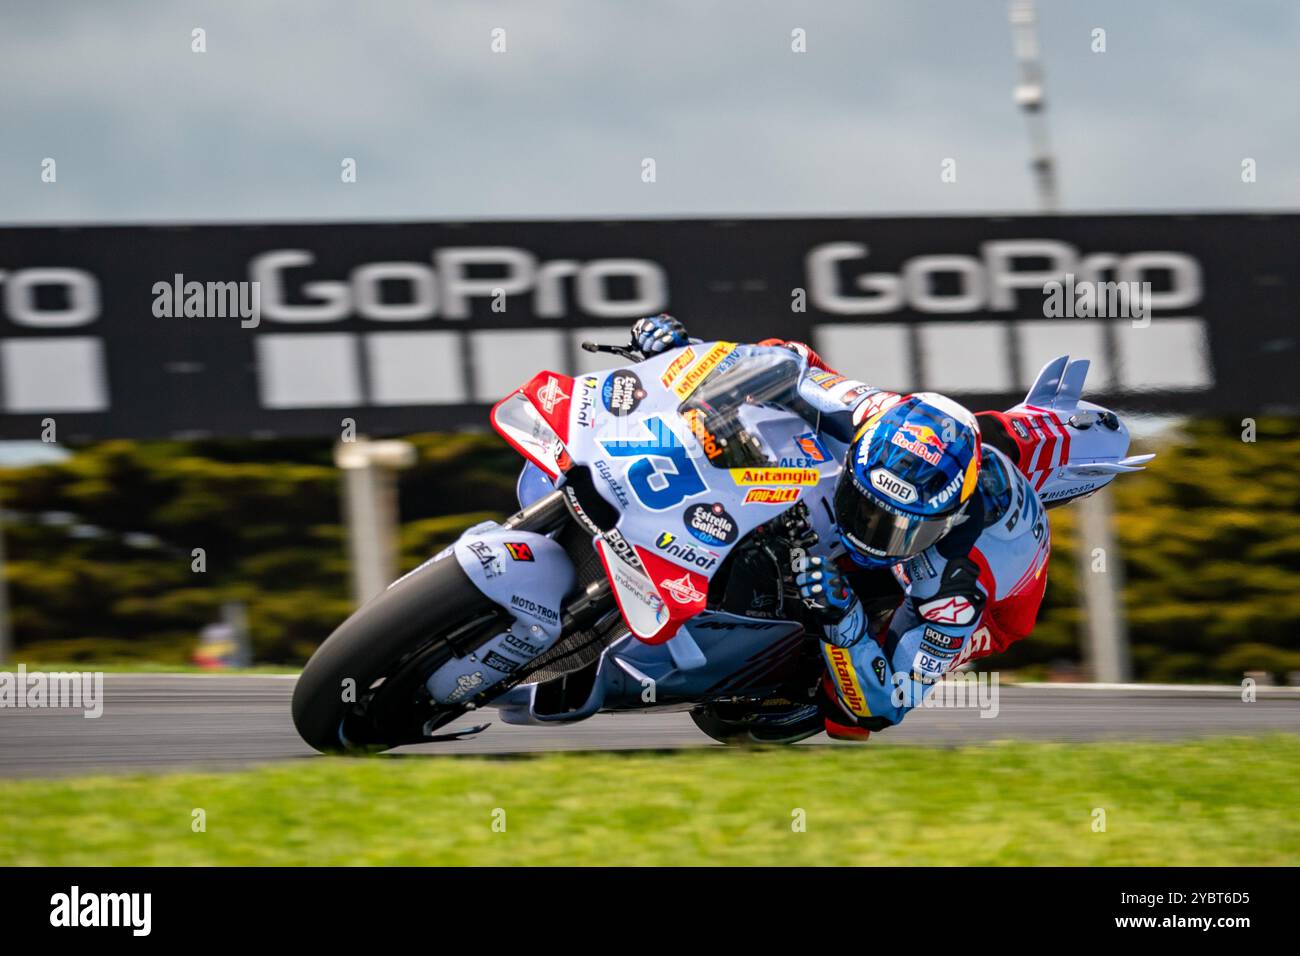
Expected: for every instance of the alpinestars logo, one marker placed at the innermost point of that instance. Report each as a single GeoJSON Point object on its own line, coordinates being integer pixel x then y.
{"type": "Point", "coordinates": [953, 610]}
{"type": "Point", "coordinates": [682, 590]}
{"type": "Point", "coordinates": [551, 394]}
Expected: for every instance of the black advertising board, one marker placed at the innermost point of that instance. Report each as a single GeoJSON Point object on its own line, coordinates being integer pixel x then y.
{"type": "Point", "coordinates": [420, 326]}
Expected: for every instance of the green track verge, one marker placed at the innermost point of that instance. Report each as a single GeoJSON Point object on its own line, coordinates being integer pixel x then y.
{"type": "Point", "coordinates": [1218, 801]}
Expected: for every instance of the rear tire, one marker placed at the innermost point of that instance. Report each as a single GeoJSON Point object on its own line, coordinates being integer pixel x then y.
{"type": "Point", "coordinates": [720, 730]}
{"type": "Point", "coordinates": [399, 636]}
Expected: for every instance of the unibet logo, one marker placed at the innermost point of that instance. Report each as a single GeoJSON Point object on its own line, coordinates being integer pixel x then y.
{"type": "Point", "coordinates": [668, 543]}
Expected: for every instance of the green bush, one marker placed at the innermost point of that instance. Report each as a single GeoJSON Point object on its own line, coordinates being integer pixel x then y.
{"type": "Point", "coordinates": [1210, 536]}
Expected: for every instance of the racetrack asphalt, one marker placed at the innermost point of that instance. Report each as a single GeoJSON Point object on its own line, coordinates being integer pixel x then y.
{"type": "Point", "coordinates": [169, 722]}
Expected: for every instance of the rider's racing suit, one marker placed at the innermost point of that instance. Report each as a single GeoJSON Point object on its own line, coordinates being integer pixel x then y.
{"type": "Point", "coordinates": [972, 594]}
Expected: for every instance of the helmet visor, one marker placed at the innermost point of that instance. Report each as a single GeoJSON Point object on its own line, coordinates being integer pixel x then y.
{"type": "Point", "coordinates": [878, 531]}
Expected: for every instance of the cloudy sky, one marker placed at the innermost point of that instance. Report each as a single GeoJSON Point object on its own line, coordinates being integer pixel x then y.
{"type": "Point", "coordinates": [142, 129]}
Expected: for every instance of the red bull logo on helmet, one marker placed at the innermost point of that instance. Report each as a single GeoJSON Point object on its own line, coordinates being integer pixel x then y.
{"type": "Point", "coordinates": [920, 440]}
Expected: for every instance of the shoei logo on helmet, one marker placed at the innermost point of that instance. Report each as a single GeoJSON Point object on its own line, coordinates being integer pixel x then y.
{"type": "Point", "coordinates": [920, 440]}
{"type": "Point", "coordinates": [888, 483]}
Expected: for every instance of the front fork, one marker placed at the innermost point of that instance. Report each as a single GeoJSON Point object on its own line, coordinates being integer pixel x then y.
{"type": "Point", "coordinates": [523, 571]}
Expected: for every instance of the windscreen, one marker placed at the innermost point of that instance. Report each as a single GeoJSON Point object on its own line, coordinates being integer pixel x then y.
{"type": "Point", "coordinates": [715, 413]}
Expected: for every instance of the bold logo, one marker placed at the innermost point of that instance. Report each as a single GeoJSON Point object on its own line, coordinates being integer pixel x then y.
{"type": "Point", "coordinates": [682, 590]}
{"type": "Point", "coordinates": [658, 488]}
{"type": "Point", "coordinates": [551, 394]}
{"type": "Point", "coordinates": [622, 547]}
{"type": "Point", "coordinates": [847, 681]}
{"type": "Point", "coordinates": [675, 367]}
{"type": "Point", "coordinates": [888, 483]}
{"type": "Point", "coordinates": [951, 610]}
{"type": "Point", "coordinates": [941, 640]}
{"type": "Point", "coordinates": [622, 393]}
{"type": "Point", "coordinates": [771, 496]}
{"type": "Point", "coordinates": [519, 550]}
{"type": "Point", "coordinates": [695, 421]}
{"type": "Point", "coordinates": [920, 440]}
{"type": "Point", "coordinates": [710, 524]}
{"type": "Point", "coordinates": [698, 372]}
{"type": "Point", "coordinates": [775, 476]}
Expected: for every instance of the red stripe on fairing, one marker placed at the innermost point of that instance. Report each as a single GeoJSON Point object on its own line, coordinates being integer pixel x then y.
{"type": "Point", "coordinates": [986, 573]}
{"type": "Point", "coordinates": [1037, 563]}
{"type": "Point", "coordinates": [1049, 448]}
{"type": "Point", "coordinates": [1065, 440]}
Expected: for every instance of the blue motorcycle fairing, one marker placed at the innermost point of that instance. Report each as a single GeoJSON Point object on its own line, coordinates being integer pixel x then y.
{"type": "Point", "coordinates": [724, 654]}
{"type": "Point", "coordinates": [521, 572]}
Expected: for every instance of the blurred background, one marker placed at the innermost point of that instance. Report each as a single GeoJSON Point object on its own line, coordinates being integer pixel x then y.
{"type": "Point", "coordinates": [894, 182]}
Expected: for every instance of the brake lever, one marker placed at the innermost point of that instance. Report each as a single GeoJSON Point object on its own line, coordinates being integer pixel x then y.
{"type": "Point", "coordinates": [633, 355]}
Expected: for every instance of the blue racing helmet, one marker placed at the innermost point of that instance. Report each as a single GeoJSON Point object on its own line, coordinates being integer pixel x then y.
{"type": "Point", "coordinates": [911, 471]}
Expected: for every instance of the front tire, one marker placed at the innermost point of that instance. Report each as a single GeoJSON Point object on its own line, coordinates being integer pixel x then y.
{"type": "Point", "coordinates": [387, 649]}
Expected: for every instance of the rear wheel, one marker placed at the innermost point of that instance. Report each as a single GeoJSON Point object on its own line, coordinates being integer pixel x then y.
{"type": "Point", "coordinates": [766, 722]}
{"type": "Point", "coordinates": [364, 688]}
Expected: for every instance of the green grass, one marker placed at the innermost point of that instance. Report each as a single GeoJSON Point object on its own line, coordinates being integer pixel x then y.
{"type": "Point", "coordinates": [1213, 802]}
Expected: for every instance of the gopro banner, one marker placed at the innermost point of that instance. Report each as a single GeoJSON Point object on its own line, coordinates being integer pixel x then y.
{"type": "Point", "coordinates": [266, 330]}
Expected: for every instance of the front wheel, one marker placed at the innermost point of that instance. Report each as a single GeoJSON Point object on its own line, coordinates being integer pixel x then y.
{"type": "Point", "coordinates": [364, 688]}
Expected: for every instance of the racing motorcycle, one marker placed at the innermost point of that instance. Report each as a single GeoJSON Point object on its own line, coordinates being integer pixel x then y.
{"type": "Point", "coordinates": [647, 568]}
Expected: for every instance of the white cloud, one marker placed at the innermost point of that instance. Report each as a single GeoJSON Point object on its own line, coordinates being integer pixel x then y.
{"type": "Point", "coordinates": [143, 129]}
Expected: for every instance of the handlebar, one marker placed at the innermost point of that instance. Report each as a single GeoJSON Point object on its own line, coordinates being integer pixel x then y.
{"type": "Point", "coordinates": [627, 353]}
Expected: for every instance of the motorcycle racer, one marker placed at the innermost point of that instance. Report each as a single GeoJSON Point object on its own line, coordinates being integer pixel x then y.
{"type": "Point", "coordinates": [925, 498]}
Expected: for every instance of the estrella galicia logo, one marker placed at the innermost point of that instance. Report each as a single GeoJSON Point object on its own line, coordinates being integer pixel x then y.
{"type": "Point", "coordinates": [622, 392]}
{"type": "Point", "coordinates": [710, 524]}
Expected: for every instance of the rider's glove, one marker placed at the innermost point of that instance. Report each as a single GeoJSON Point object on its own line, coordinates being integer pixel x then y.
{"type": "Point", "coordinates": [823, 589]}
{"type": "Point", "coordinates": [658, 333]}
